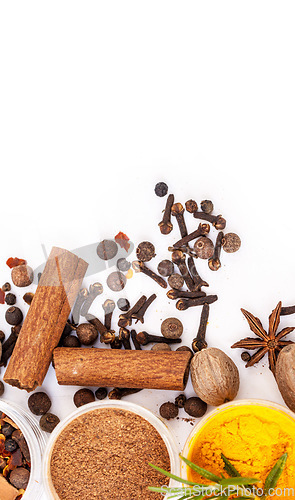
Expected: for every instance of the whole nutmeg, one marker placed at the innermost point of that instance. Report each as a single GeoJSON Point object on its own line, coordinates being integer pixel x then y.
{"type": "Point", "coordinates": [215, 376]}
{"type": "Point", "coordinates": [22, 275]}
{"type": "Point", "coordinates": [285, 375]}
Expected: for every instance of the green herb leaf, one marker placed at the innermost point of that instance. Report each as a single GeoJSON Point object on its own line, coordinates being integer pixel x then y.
{"type": "Point", "coordinates": [238, 481]}
{"type": "Point", "coordinates": [202, 472]}
{"type": "Point", "coordinates": [172, 476]}
{"type": "Point", "coordinates": [229, 467]}
{"type": "Point", "coordinates": [275, 474]}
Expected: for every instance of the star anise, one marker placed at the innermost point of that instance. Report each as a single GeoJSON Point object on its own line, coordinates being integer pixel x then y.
{"type": "Point", "coordinates": [269, 343]}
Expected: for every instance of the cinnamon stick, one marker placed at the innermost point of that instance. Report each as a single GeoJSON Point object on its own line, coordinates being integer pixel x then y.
{"type": "Point", "coordinates": [115, 368]}
{"type": "Point", "coordinates": [46, 319]}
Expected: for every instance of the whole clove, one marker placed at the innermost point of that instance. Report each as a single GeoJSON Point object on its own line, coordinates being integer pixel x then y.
{"type": "Point", "coordinates": [108, 307]}
{"type": "Point", "coordinates": [126, 319]}
{"type": "Point", "coordinates": [94, 291]}
{"type": "Point", "coordinates": [119, 393]}
{"type": "Point", "coordinates": [8, 346]}
{"type": "Point", "coordinates": [177, 211]}
{"type": "Point", "coordinates": [124, 336]}
{"type": "Point", "coordinates": [183, 304]}
{"type": "Point", "coordinates": [182, 294]}
{"type": "Point", "coordinates": [214, 262]}
{"type": "Point", "coordinates": [180, 400]}
{"type": "Point", "coordinates": [106, 336]}
{"type": "Point", "coordinates": [178, 258]}
{"type": "Point", "coordinates": [139, 315]}
{"type": "Point", "coordinates": [203, 230]}
{"type": "Point", "coordinates": [287, 310]}
{"type": "Point", "coordinates": [6, 287]}
{"type": "Point", "coordinates": [2, 336]}
{"type": "Point", "coordinates": [139, 266]}
{"type": "Point", "coordinates": [195, 275]}
{"type": "Point", "coordinates": [145, 338]}
{"type": "Point", "coordinates": [166, 225]}
{"type": "Point", "coordinates": [199, 341]}
{"type": "Point", "coordinates": [207, 206]}
{"type": "Point", "coordinates": [135, 341]}
{"type": "Point", "coordinates": [216, 220]}
{"type": "Point", "coordinates": [116, 343]}
{"type": "Point", "coordinates": [191, 206]}
{"type": "Point", "coordinates": [82, 296]}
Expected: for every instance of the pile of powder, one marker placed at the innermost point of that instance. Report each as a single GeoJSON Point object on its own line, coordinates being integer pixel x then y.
{"type": "Point", "coordinates": [104, 454]}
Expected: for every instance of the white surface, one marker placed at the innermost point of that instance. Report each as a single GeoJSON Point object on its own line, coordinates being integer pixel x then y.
{"type": "Point", "coordinates": [100, 100]}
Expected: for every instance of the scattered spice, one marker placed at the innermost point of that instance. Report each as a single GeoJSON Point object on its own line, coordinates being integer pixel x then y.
{"type": "Point", "coordinates": [176, 281]}
{"type": "Point", "coordinates": [28, 298]}
{"type": "Point", "coordinates": [83, 397]}
{"type": "Point", "coordinates": [195, 407]}
{"type": "Point", "coordinates": [122, 240]}
{"type": "Point", "coordinates": [116, 281]}
{"type": "Point", "coordinates": [81, 297]}
{"type": "Point", "coordinates": [191, 206]}
{"type": "Point", "coordinates": [199, 341]}
{"type": "Point", "coordinates": [168, 410]}
{"type": "Point", "coordinates": [145, 338]}
{"type": "Point", "coordinates": [95, 290]}
{"type": "Point", "coordinates": [161, 189]}
{"type": "Point", "coordinates": [87, 333]}
{"type": "Point", "coordinates": [119, 392]}
{"type": "Point", "coordinates": [13, 316]}
{"type": "Point", "coordinates": [165, 268]}
{"type": "Point", "coordinates": [177, 211]}
{"type": "Point", "coordinates": [161, 347]}
{"type": "Point", "coordinates": [166, 225]}
{"type": "Point", "coordinates": [207, 206]}
{"type": "Point", "coordinates": [204, 247]}
{"type": "Point", "coordinates": [121, 445]}
{"type": "Point", "coordinates": [19, 477]}
{"type": "Point", "coordinates": [145, 251]}
{"type": "Point", "coordinates": [14, 262]}
{"type": "Point", "coordinates": [71, 341]}
{"type": "Point", "coordinates": [231, 242]}
{"type": "Point", "coordinates": [107, 249]}
{"type": "Point", "coordinates": [214, 262]}
{"type": "Point", "coordinates": [108, 307]}
{"type": "Point", "coordinates": [139, 315]}
{"type": "Point", "coordinates": [180, 400]}
{"type": "Point", "coordinates": [285, 375]}
{"type": "Point", "coordinates": [123, 304]}
{"type": "Point", "coordinates": [48, 422]}
{"type": "Point", "coordinates": [171, 328]}
{"type": "Point", "coordinates": [101, 393]}
{"type": "Point", "coordinates": [22, 275]}
{"type": "Point", "coordinates": [123, 265]}
{"type": "Point", "coordinates": [246, 356]}
{"type": "Point", "coordinates": [39, 403]}
{"type": "Point", "coordinates": [10, 299]}
{"type": "Point", "coordinates": [139, 266]}
{"type": "Point", "coordinates": [6, 287]}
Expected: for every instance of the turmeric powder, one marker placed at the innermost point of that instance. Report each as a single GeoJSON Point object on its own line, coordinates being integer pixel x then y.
{"type": "Point", "coordinates": [253, 438]}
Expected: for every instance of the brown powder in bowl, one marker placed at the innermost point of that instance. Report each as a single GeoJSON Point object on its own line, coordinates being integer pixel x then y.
{"type": "Point", "coordinates": [104, 454]}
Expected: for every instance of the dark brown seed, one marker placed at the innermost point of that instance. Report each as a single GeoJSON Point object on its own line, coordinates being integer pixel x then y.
{"type": "Point", "coordinates": [231, 242]}
{"type": "Point", "coordinates": [48, 422]}
{"type": "Point", "coordinates": [101, 393]}
{"type": "Point", "coordinates": [22, 275]}
{"type": "Point", "coordinates": [161, 189]}
{"type": "Point", "coordinates": [13, 316]}
{"type": "Point", "coordinates": [195, 407]}
{"type": "Point", "coordinates": [145, 251]}
{"type": "Point", "coordinates": [185, 348]}
{"type": "Point", "coordinates": [116, 281]}
{"type": "Point", "coordinates": [168, 410]}
{"type": "Point", "coordinates": [176, 281]}
{"type": "Point", "coordinates": [107, 249]}
{"type": "Point", "coordinates": [123, 265]}
{"type": "Point", "coordinates": [123, 304]}
{"type": "Point", "coordinates": [204, 247]}
{"type": "Point", "coordinates": [171, 328]}
{"type": "Point", "coordinates": [191, 206]}
{"type": "Point", "coordinates": [83, 397]}
{"type": "Point", "coordinates": [165, 268]}
{"type": "Point", "coordinates": [207, 206]}
{"type": "Point", "coordinates": [246, 356]}
{"type": "Point", "coordinates": [87, 333]}
{"type": "Point", "coordinates": [2, 388]}
{"type": "Point", "coordinates": [180, 400]}
{"type": "Point", "coordinates": [71, 341]}
{"type": "Point", "coordinates": [116, 343]}
{"type": "Point", "coordinates": [6, 287]}
{"type": "Point", "coordinates": [7, 430]}
{"type": "Point", "coordinates": [19, 477]}
{"type": "Point", "coordinates": [28, 298]}
{"type": "Point", "coordinates": [39, 403]}
{"type": "Point", "coordinates": [10, 299]}
{"type": "Point", "coordinates": [18, 436]}
{"type": "Point", "coordinates": [2, 336]}
{"type": "Point", "coordinates": [161, 347]}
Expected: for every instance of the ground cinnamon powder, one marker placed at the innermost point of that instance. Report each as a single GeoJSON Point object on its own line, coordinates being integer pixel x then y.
{"type": "Point", "coordinates": [104, 454]}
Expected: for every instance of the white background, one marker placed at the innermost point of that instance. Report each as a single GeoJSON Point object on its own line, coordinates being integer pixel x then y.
{"type": "Point", "coordinates": [101, 100]}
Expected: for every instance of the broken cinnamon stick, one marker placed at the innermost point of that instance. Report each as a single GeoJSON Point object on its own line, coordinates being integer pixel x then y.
{"type": "Point", "coordinates": [167, 370]}
{"type": "Point", "coordinates": [46, 319]}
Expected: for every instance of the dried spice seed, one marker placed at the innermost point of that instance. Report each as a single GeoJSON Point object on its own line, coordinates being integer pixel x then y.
{"type": "Point", "coordinates": [19, 478]}
{"type": "Point", "coordinates": [83, 397]}
{"type": "Point", "coordinates": [185, 348]}
{"type": "Point", "coordinates": [116, 281]}
{"type": "Point", "coordinates": [172, 328]}
{"type": "Point", "coordinates": [71, 341]}
{"type": "Point", "coordinates": [177, 211]}
{"type": "Point", "coordinates": [140, 267]}
{"type": "Point", "coordinates": [207, 206]}
{"type": "Point", "coordinates": [191, 206]}
{"type": "Point", "coordinates": [2, 296]}
{"type": "Point", "coordinates": [123, 265]}
{"type": "Point", "coordinates": [165, 268]}
{"type": "Point", "coordinates": [145, 338]}
{"type": "Point", "coordinates": [101, 393]}
{"type": "Point", "coordinates": [139, 315]}
{"type": "Point", "coordinates": [166, 225]}
{"type": "Point", "coordinates": [168, 410]}
{"type": "Point", "coordinates": [22, 275]}
{"type": "Point", "coordinates": [116, 343]}
{"type": "Point", "coordinates": [204, 247]}
{"type": "Point", "coordinates": [180, 400]}
{"type": "Point", "coordinates": [107, 249]}
{"type": "Point", "coordinates": [161, 189]}
{"type": "Point", "coordinates": [161, 347]}
{"type": "Point", "coordinates": [10, 299]}
{"type": "Point", "coordinates": [120, 392]}
{"type": "Point", "coordinates": [6, 287]}
{"type": "Point", "coordinates": [199, 341]}
{"type": "Point", "coordinates": [2, 388]}
{"type": "Point", "coordinates": [28, 298]}
{"type": "Point", "coordinates": [7, 429]}
{"type": "Point", "coordinates": [231, 242]}
{"type": "Point", "coordinates": [13, 316]}
{"type": "Point", "coordinates": [87, 333]}
{"type": "Point", "coordinates": [39, 403]}
{"type": "Point", "coordinates": [2, 336]}
{"type": "Point", "coordinates": [10, 445]}
{"type": "Point", "coordinates": [195, 407]}
{"type": "Point", "coordinates": [123, 304]}
{"type": "Point", "coordinates": [108, 307]}
{"type": "Point", "coordinates": [145, 251]}
{"type": "Point", "coordinates": [176, 281]}
{"type": "Point", "coordinates": [246, 356]}
{"type": "Point", "coordinates": [95, 290]}
{"type": "Point", "coordinates": [48, 422]}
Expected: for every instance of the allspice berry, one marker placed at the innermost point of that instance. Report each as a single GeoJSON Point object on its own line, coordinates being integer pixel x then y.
{"type": "Point", "coordinates": [161, 347]}
{"type": "Point", "coordinates": [168, 410]}
{"type": "Point", "coordinates": [176, 281]}
{"type": "Point", "coordinates": [19, 478]}
{"type": "Point", "coordinates": [83, 397]}
{"type": "Point", "coordinates": [195, 407]}
{"type": "Point", "coordinates": [101, 393]}
{"type": "Point", "coordinates": [71, 341]}
{"type": "Point", "coordinates": [231, 242]}
{"type": "Point", "coordinates": [10, 299]}
{"type": "Point", "coordinates": [48, 422]}
{"type": "Point", "coordinates": [39, 403]}
{"type": "Point", "coordinates": [165, 268]}
{"type": "Point", "coordinates": [22, 275]}
{"type": "Point", "coordinates": [207, 206]}
{"type": "Point", "coordinates": [204, 247]}
{"type": "Point", "coordinates": [145, 251]}
{"type": "Point", "coordinates": [87, 333]}
{"type": "Point", "coordinates": [171, 328]}
{"type": "Point", "coordinates": [13, 316]}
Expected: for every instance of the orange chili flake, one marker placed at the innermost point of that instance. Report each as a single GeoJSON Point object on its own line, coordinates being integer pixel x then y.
{"type": "Point", "coordinates": [2, 296]}
{"type": "Point", "coordinates": [15, 261]}
{"type": "Point", "coordinates": [2, 443]}
{"type": "Point", "coordinates": [6, 471]}
{"type": "Point", "coordinates": [122, 240]}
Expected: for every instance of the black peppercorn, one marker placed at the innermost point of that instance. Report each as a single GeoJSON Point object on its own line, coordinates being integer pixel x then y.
{"type": "Point", "coordinates": [13, 316]}
{"type": "Point", "coordinates": [2, 336]}
{"type": "Point", "coordinates": [168, 410]}
{"type": "Point", "coordinates": [83, 397]}
{"type": "Point", "coordinates": [10, 299]}
{"type": "Point", "coordinates": [10, 445]}
{"type": "Point", "coordinates": [165, 268]}
{"type": "Point", "coordinates": [191, 206]}
{"type": "Point", "coordinates": [123, 304]}
{"type": "Point", "coordinates": [180, 400]}
{"type": "Point", "coordinates": [39, 403]}
{"type": "Point", "coordinates": [19, 478]}
{"type": "Point", "coordinates": [48, 422]}
{"type": "Point", "coordinates": [71, 341]}
{"type": "Point", "coordinates": [123, 265]}
{"type": "Point", "coordinates": [101, 393]}
{"type": "Point", "coordinates": [6, 287]}
{"type": "Point", "coordinates": [246, 356]}
{"type": "Point", "coordinates": [7, 429]}
{"type": "Point", "coordinates": [161, 189]}
{"type": "Point", "coordinates": [87, 333]}
{"type": "Point", "coordinates": [171, 328]}
{"type": "Point", "coordinates": [207, 206]}
{"type": "Point", "coordinates": [145, 251]}
{"type": "Point", "coordinates": [195, 407]}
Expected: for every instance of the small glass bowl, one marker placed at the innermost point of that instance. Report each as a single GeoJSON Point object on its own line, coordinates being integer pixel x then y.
{"type": "Point", "coordinates": [36, 442]}
{"type": "Point", "coordinates": [155, 421]}
{"type": "Point", "coordinates": [214, 413]}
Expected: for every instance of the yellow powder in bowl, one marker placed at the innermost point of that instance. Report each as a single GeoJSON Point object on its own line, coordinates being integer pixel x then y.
{"type": "Point", "coordinates": [252, 437]}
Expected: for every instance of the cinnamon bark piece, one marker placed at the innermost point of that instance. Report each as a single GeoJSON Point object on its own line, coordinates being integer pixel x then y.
{"type": "Point", "coordinates": [7, 491]}
{"type": "Point", "coordinates": [41, 331]}
{"type": "Point", "coordinates": [116, 368]}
